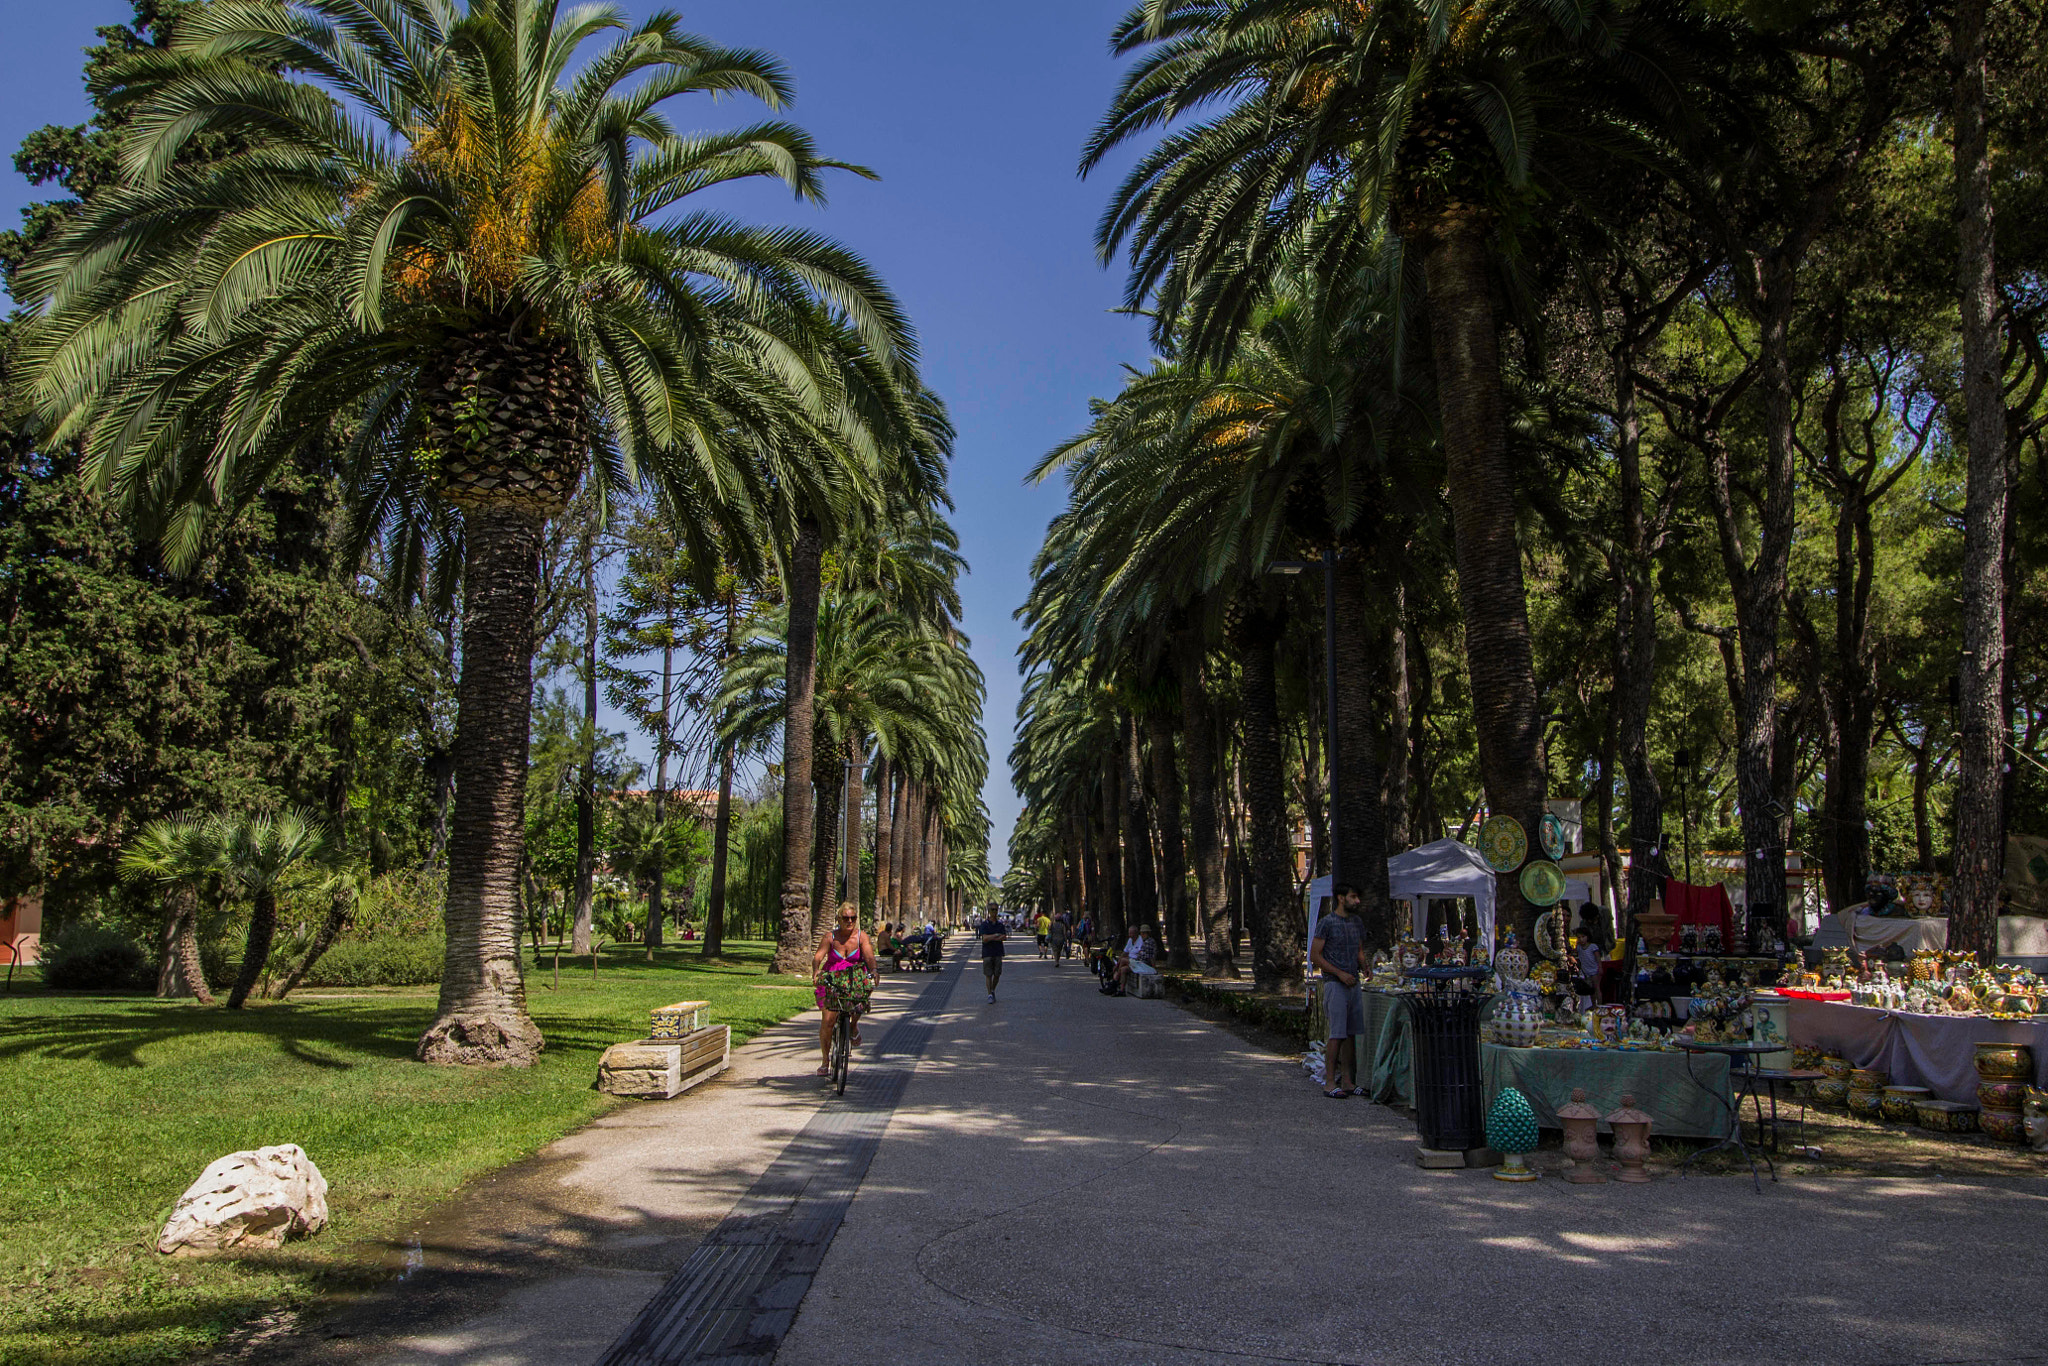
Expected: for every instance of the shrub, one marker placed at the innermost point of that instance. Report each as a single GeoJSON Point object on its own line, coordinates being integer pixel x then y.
{"type": "Point", "coordinates": [1266, 1013]}
{"type": "Point", "coordinates": [386, 961]}
{"type": "Point", "coordinates": [94, 958]}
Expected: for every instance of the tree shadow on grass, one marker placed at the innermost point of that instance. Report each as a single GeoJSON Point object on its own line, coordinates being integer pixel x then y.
{"type": "Point", "coordinates": [117, 1038]}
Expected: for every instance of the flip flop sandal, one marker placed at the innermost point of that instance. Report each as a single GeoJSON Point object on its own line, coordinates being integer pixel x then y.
{"type": "Point", "coordinates": [1336, 1093]}
{"type": "Point", "coordinates": [823, 1072]}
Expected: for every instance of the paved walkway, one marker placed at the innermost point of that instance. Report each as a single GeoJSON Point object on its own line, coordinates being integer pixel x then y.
{"type": "Point", "coordinates": [1071, 1178]}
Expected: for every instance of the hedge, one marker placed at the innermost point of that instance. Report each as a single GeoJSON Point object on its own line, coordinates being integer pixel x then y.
{"type": "Point", "coordinates": [1263, 1011]}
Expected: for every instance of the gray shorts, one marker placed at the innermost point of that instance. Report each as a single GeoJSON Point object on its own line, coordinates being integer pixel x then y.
{"type": "Point", "coordinates": [1344, 1007]}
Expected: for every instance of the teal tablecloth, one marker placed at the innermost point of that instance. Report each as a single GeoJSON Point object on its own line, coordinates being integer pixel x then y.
{"type": "Point", "coordinates": [1658, 1081]}
{"type": "Point", "coordinates": [1386, 1049]}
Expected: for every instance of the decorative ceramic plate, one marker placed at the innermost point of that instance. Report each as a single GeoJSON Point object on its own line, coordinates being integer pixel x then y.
{"type": "Point", "coordinates": [1503, 843]}
{"type": "Point", "coordinates": [1542, 882]}
{"type": "Point", "coordinates": [1550, 834]}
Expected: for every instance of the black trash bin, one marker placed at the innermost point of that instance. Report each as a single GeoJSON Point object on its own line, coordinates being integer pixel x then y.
{"type": "Point", "coordinates": [1450, 1110]}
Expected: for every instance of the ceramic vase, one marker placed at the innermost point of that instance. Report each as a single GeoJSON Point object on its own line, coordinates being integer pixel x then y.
{"type": "Point", "coordinates": [1866, 1102]}
{"type": "Point", "coordinates": [1518, 1019]}
{"type": "Point", "coordinates": [2001, 1095]}
{"type": "Point", "coordinates": [1631, 1141]}
{"type": "Point", "coordinates": [1581, 1140]}
{"type": "Point", "coordinates": [2007, 1126]}
{"type": "Point", "coordinates": [1898, 1102]}
{"type": "Point", "coordinates": [2005, 1062]}
{"type": "Point", "coordinates": [1512, 962]}
{"type": "Point", "coordinates": [1511, 1132]}
{"type": "Point", "coordinates": [1831, 1091]}
{"type": "Point", "coordinates": [1837, 1068]}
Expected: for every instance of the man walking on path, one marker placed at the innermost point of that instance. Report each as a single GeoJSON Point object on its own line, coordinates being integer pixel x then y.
{"type": "Point", "coordinates": [1059, 933]}
{"type": "Point", "coordinates": [992, 935]}
{"type": "Point", "coordinates": [1339, 950]}
{"type": "Point", "coordinates": [1044, 928]}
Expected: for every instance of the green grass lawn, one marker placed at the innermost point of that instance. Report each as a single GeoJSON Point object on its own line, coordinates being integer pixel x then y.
{"type": "Point", "coordinates": [111, 1105]}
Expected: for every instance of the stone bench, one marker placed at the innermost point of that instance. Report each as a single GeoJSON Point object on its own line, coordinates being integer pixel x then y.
{"type": "Point", "coordinates": [658, 1069]}
{"type": "Point", "coordinates": [1143, 981]}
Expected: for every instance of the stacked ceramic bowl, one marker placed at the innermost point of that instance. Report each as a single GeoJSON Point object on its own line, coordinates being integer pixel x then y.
{"type": "Point", "coordinates": [2003, 1072]}
{"type": "Point", "coordinates": [1899, 1102]}
{"type": "Point", "coordinates": [1833, 1089]}
{"type": "Point", "coordinates": [1866, 1091]}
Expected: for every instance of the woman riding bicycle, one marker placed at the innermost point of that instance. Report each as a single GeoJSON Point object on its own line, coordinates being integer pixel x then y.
{"type": "Point", "coordinates": [845, 968]}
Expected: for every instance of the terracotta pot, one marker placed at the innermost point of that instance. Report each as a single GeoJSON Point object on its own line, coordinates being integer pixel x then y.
{"type": "Point", "coordinates": [2005, 1062]}
{"type": "Point", "coordinates": [2007, 1126]}
{"type": "Point", "coordinates": [1866, 1102]}
{"type": "Point", "coordinates": [2002, 1095]}
{"type": "Point", "coordinates": [1898, 1102]}
{"type": "Point", "coordinates": [1631, 1141]}
{"type": "Point", "coordinates": [1581, 1140]}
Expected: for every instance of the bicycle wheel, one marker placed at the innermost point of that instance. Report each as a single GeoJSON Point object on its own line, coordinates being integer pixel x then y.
{"type": "Point", "coordinates": [842, 1051]}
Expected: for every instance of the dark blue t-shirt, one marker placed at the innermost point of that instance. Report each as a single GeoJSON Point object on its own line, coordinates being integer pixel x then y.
{"type": "Point", "coordinates": [991, 926]}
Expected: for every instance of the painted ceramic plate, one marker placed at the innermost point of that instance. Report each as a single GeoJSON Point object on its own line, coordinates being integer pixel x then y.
{"type": "Point", "coordinates": [1542, 882]}
{"type": "Point", "coordinates": [1503, 843]}
{"type": "Point", "coordinates": [1551, 835]}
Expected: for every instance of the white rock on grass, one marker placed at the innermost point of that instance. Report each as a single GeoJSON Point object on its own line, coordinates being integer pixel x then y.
{"type": "Point", "coordinates": [248, 1200]}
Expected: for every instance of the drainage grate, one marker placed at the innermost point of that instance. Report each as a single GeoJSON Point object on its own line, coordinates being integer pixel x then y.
{"type": "Point", "coordinates": [736, 1296]}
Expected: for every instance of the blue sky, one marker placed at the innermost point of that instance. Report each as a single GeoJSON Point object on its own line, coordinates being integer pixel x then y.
{"type": "Point", "coordinates": [973, 113]}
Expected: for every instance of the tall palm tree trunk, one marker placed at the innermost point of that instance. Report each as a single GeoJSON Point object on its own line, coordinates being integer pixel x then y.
{"type": "Point", "coordinates": [1198, 740]}
{"type": "Point", "coordinates": [182, 973]}
{"type": "Point", "coordinates": [586, 777]}
{"type": "Point", "coordinates": [657, 890]}
{"type": "Point", "coordinates": [1265, 790]}
{"type": "Point", "coordinates": [1141, 900]}
{"type": "Point", "coordinates": [482, 1015]}
{"type": "Point", "coordinates": [721, 837]}
{"type": "Point", "coordinates": [793, 944]}
{"type": "Point", "coordinates": [1981, 675]}
{"type": "Point", "coordinates": [1498, 653]}
{"type": "Point", "coordinates": [340, 910]}
{"type": "Point", "coordinates": [1394, 785]}
{"type": "Point", "coordinates": [1635, 668]}
{"type": "Point", "coordinates": [1173, 853]}
{"type": "Point", "coordinates": [1360, 815]}
{"type": "Point", "coordinates": [885, 834]}
{"type": "Point", "coordinates": [1110, 852]}
{"type": "Point", "coordinates": [825, 856]}
{"type": "Point", "coordinates": [856, 762]}
{"type": "Point", "coordinates": [256, 950]}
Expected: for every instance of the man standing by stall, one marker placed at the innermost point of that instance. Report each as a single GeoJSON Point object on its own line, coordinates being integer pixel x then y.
{"type": "Point", "coordinates": [1339, 951]}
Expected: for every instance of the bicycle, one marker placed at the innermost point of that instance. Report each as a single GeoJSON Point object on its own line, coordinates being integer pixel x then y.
{"type": "Point", "coordinates": [842, 1051]}
{"type": "Point", "coordinates": [846, 995]}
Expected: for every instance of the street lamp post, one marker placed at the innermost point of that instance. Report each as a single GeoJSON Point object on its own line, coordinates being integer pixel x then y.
{"type": "Point", "coordinates": [1290, 568]}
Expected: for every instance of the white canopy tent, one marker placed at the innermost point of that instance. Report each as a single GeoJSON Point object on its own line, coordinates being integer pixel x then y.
{"type": "Point", "coordinates": [1442, 868]}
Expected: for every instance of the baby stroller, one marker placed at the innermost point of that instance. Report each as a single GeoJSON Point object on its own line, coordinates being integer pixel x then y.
{"type": "Point", "coordinates": [920, 953]}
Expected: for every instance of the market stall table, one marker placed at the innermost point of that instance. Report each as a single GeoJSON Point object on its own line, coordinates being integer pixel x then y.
{"type": "Point", "coordinates": [1656, 1078]}
{"type": "Point", "coordinates": [1935, 1051]}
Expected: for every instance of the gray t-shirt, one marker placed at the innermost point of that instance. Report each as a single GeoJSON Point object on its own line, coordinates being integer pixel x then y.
{"type": "Point", "coordinates": [1341, 935]}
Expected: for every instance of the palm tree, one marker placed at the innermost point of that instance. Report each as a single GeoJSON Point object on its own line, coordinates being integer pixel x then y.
{"type": "Point", "coordinates": [881, 680]}
{"type": "Point", "coordinates": [434, 241]}
{"type": "Point", "coordinates": [267, 857]}
{"type": "Point", "coordinates": [181, 855]}
{"type": "Point", "coordinates": [1434, 118]}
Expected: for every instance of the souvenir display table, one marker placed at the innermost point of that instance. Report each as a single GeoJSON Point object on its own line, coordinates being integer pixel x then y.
{"type": "Point", "coordinates": [1935, 1051]}
{"type": "Point", "coordinates": [1695, 1107]}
